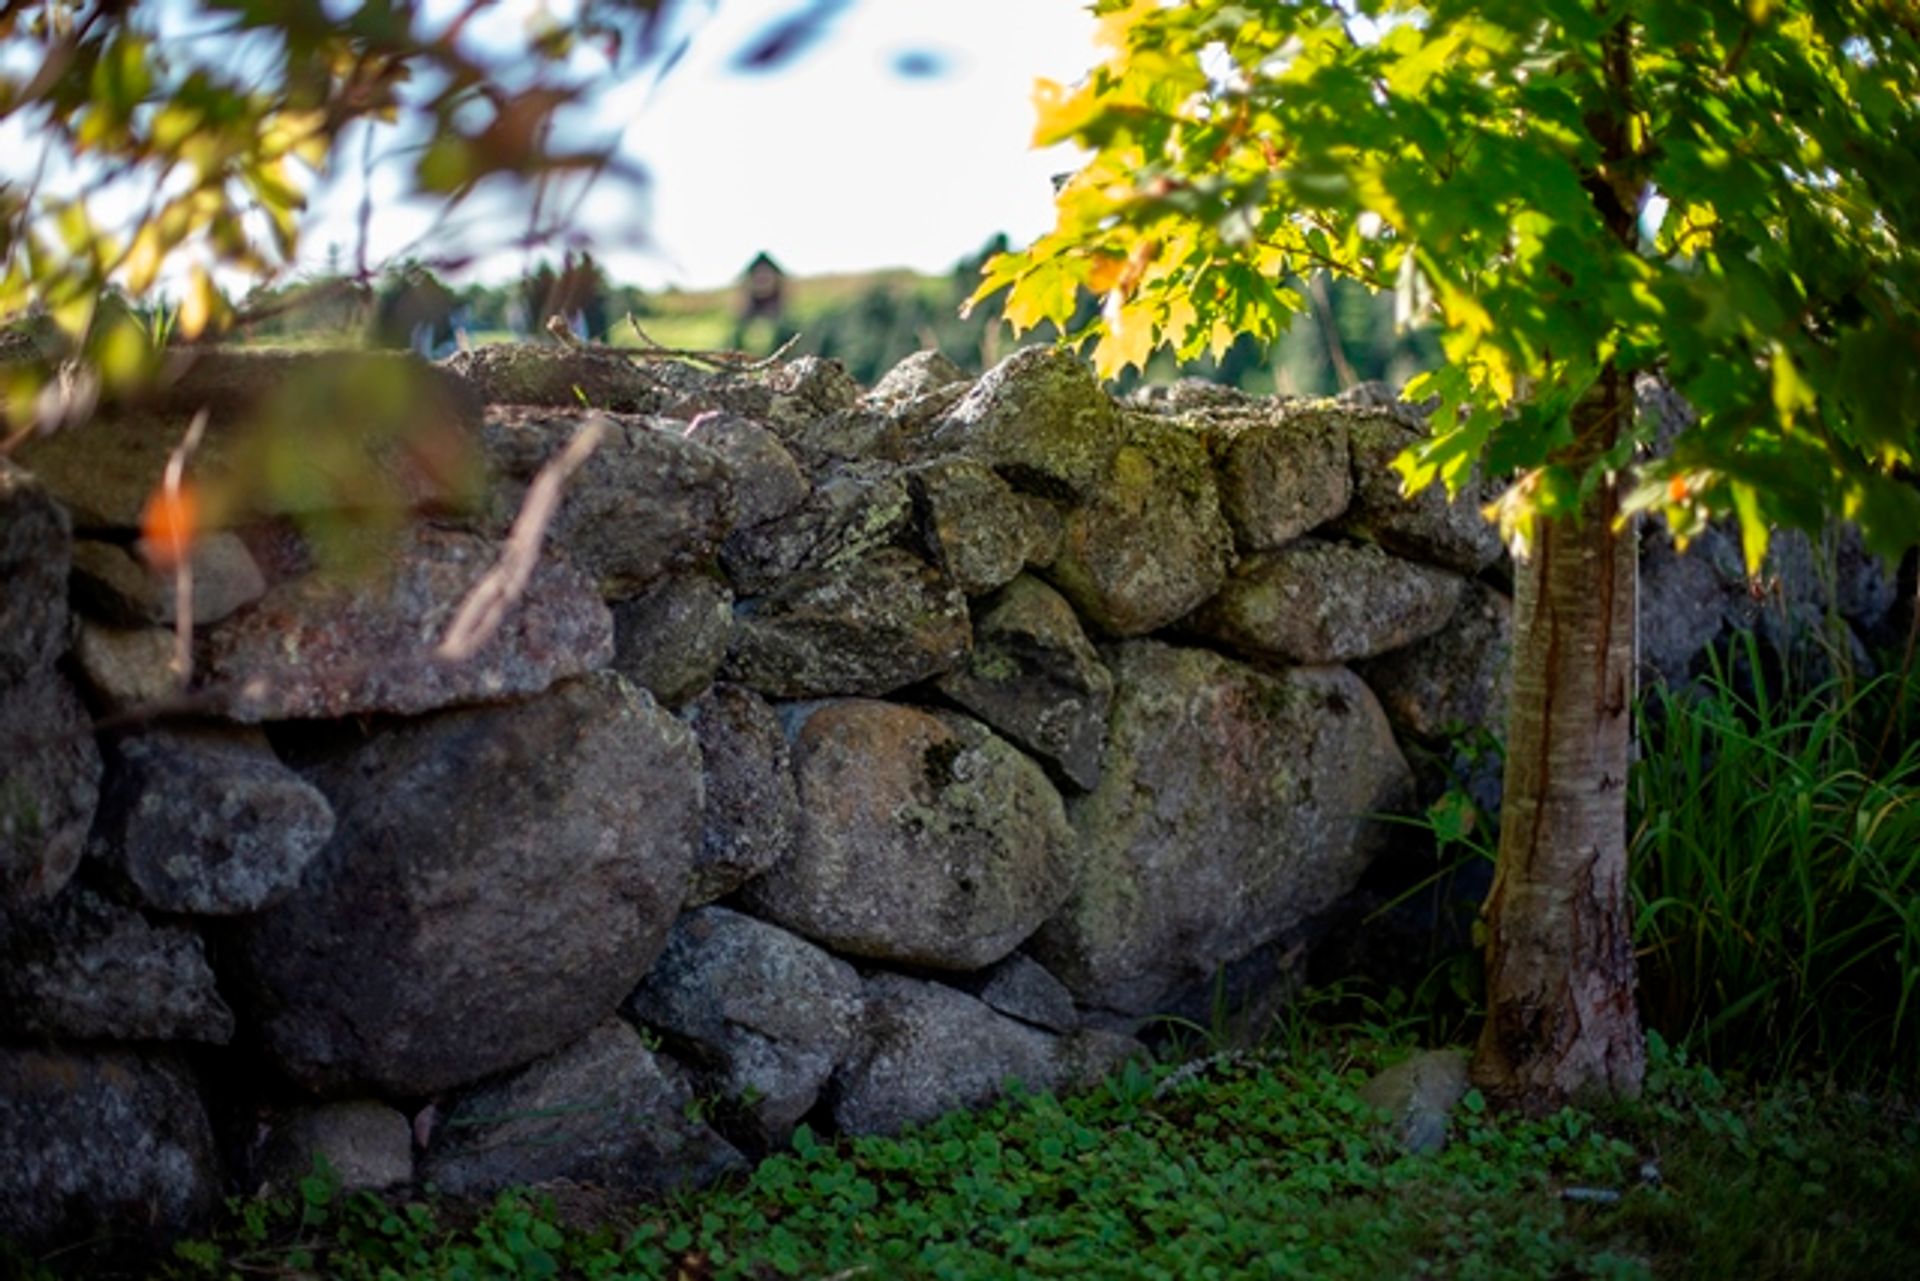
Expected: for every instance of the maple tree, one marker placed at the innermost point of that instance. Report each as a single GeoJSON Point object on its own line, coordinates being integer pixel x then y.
{"type": "Point", "coordinates": [1724, 194]}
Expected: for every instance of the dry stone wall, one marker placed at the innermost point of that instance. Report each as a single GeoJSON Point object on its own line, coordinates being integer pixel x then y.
{"type": "Point", "coordinates": [849, 753]}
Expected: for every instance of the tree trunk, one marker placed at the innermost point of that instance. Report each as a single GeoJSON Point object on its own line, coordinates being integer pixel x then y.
{"type": "Point", "coordinates": [1561, 1015]}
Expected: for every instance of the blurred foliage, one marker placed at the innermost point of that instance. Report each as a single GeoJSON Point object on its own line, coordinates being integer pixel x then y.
{"type": "Point", "coordinates": [1726, 192]}
{"type": "Point", "coordinates": [210, 120]}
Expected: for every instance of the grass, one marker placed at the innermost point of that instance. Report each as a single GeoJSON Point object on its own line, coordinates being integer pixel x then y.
{"type": "Point", "coordinates": [1775, 857]}
{"type": "Point", "coordinates": [1777, 867]}
{"type": "Point", "coordinates": [1252, 1167]}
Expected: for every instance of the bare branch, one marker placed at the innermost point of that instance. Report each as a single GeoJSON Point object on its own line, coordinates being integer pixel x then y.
{"type": "Point", "coordinates": [170, 482]}
{"type": "Point", "coordinates": [738, 361]}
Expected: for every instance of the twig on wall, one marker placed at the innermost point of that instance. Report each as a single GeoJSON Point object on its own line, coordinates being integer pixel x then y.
{"type": "Point", "coordinates": [486, 605]}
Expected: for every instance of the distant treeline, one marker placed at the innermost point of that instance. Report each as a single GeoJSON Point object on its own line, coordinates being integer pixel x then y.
{"type": "Point", "coordinates": [1349, 335]}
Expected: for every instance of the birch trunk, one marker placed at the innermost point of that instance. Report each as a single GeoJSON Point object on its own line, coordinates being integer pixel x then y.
{"type": "Point", "coordinates": [1562, 1021]}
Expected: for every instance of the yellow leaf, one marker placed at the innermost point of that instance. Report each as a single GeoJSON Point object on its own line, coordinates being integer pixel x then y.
{"type": "Point", "coordinates": [197, 305]}
{"type": "Point", "coordinates": [1060, 112]}
{"type": "Point", "coordinates": [1116, 27]}
{"type": "Point", "coordinates": [1753, 530]}
{"type": "Point", "coordinates": [144, 259]}
{"type": "Point", "coordinates": [1791, 393]}
{"type": "Point", "coordinates": [74, 315]}
{"type": "Point", "coordinates": [1181, 318]}
{"type": "Point", "coordinates": [1050, 290]}
{"type": "Point", "coordinates": [1129, 338]}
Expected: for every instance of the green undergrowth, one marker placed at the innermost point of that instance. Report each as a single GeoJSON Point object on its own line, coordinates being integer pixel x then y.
{"type": "Point", "coordinates": [1775, 864]}
{"type": "Point", "coordinates": [1242, 1167]}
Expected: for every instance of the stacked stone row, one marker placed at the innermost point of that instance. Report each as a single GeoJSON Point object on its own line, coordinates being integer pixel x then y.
{"type": "Point", "coordinates": [849, 753]}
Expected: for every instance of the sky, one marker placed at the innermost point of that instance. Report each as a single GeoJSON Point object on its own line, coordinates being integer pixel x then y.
{"type": "Point", "coordinates": [837, 161]}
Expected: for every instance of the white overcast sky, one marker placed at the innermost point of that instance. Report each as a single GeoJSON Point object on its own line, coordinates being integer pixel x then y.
{"type": "Point", "coordinates": [834, 162]}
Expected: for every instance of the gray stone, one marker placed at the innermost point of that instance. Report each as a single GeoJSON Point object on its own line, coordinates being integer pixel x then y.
{"type": "Point", "coordinates": [924, 839]}
{"type": "Point", "coordinates": [872, 627]}
{"type": "Point", "coordinates": [767, 482]}
{"type": "Point", "coordinates": [1455, 679]}
{"type": "Point", "coordinates": [762, 1016]}
{"type": "Point", "coordinates": [916, 375]}
{"type": "Point", "coordinates": [601, 1110]}
{"type": "Point", "coordinates": [1148, 543]}
{"type": "Point", "coordinates": [328, 647]}
{"type": "Point", "coordinates": [415, 429]}
{"type": "Point", "coordinates": [1282, 472]}
{"type": "Point", "coordinates": [364, 1144]}
{"type": "Point", "coordinates": [556, 377]}
{"type": "Point", "coordinates": [865, 434]}
{"type": "Point", "coordinates": [1428, 526]}
{"type": "Point", "coordinates": [35, 545]}
{"type": "Point", "coordinates": [753, 809]}
{"type": "Point", "coordinates": [49, 785]}
{"type": "Point", "coordinates": [499, 879]}
{"type": "Point", "coordinates": [1685, 598]}
{"type": "Point", "coordinates": [980, 532]}
{"type": "Point", "coordinates": [106, 1140]}
{"type": "Point", "coordinates": [1184, 395]}
{"type": "Point", "coordinates": [84, 969]}
{"type": "Point", "coordinates": [124, 669]}
{"type": "Point", "coordinates": [1418, 1094]}
{"type": "Point", "coordinates": [207, 822]}
{"type": "Point", "coordinates": [1833, 573]}
{"type": "Point", "coordinates": [1319, 602]}
{"type": "Point", "coordinates": [925, 1049]}
{"type": "Point", "coordinates": [647, 502]}
{"type": "Point", "coordinates": [673, 637]}
{"type": "Point", "coordinates": [818, 385]}
{"type": "Point", "coordinates": [911, 421]}
{"type": "Point", "coordinates": [111, 584]}
{"type": "Point", "coordinates": [1041, 420]}
{"type": "Point", "coordinates": [850, 514]}
{"type": "Point", "coordinates": [689, 391]}
{"type": "Point", "coordinates": [1046, 530]}
{"type": "Point", "coordinates": [1022, 988]}
{"type": "Point", "coordinates": [1234, 806]}
{"type": "Point", "coordinates": [1034, 677]}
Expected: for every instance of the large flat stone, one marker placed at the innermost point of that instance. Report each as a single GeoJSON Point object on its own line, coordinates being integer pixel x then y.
{"type": "Point", "coordinates": [393, 432]}
{"type": "Point", "coordinates": [1321, 602]}
{"type": "Point", "coordinates": [322, 646]}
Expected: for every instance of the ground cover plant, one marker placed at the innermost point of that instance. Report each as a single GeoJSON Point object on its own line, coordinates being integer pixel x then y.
{"type": "Point", "coordinates": [1258, 1165]}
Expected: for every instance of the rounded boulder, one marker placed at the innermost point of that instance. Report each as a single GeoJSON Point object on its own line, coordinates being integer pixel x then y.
{"type": "Point", "coordinates": [498, 881]}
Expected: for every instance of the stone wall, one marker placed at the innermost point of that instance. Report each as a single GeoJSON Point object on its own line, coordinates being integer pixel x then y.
{"type": "Point", "coordinates": [849, 753]}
